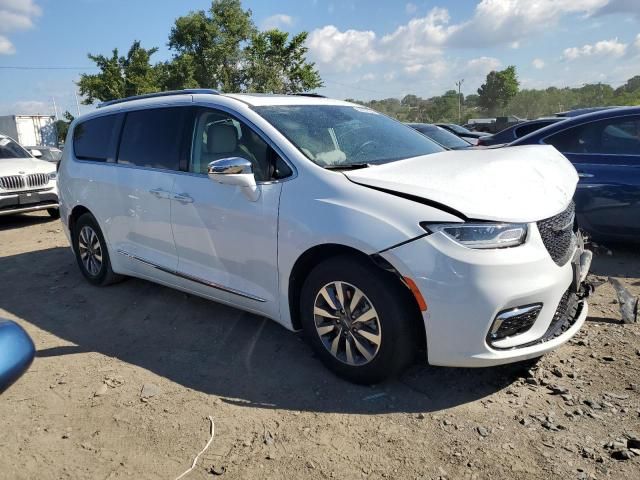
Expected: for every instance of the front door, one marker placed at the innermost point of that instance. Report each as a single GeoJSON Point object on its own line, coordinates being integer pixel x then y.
{"type": "Point", "coordinates": [225, 241]}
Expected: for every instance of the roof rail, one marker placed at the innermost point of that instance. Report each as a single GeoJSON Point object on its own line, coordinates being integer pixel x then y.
{"type": "Point", "coordinates": [168, 93]}
{"type": "Point", "coordinates": [308, 94]}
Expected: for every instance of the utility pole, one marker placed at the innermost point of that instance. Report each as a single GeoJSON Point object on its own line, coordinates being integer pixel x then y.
{"type": "Point", "coordinates": [459, 85]}
{"type": "Point", "coordinates": [55, 108]}
{"type": "Point", "coordinates": [77, 103]}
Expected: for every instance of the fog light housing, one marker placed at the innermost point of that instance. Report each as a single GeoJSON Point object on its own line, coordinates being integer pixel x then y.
{"type": "Point", "coordinates": [514, 321]}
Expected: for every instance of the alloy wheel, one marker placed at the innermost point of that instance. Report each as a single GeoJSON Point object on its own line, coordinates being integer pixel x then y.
{"type": "Point", "coordinates": [90, 250]}
{"type": "Point", "coordinates": [347, 323]}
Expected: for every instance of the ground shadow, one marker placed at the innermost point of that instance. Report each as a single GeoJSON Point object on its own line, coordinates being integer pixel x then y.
{"type": "Point", "coordinates": [618, 260]}
{"type": "Point", "coordinates": [9, 222]}
{"type": "Point", "coordinates": [215, 349]}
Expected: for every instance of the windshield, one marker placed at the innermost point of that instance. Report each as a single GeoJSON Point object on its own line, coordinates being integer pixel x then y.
{"type": "Point", "coordinates": [339, 136]}
{"type": "Point", "coordinates": [458, 128]}
{"type": "Point", "coordinates": [442, 136]}
{"type": "Point", "coordinates": [10, 149]}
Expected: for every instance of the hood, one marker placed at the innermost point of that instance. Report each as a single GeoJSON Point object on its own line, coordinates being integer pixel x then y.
{"type": "Point", "coordinates": [514, 184]}
{"type": "Point", "coordinates": [13, 166]}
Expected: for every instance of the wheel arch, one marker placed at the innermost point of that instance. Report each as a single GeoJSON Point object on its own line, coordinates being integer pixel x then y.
{"type": "Point", "coordinates": [314, 255]}
{"type": "Point", "coordinates": [75, 214]}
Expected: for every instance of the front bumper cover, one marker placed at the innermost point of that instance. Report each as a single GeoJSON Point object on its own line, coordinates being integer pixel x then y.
{"type": "Point", "coordinates": [466, 289]}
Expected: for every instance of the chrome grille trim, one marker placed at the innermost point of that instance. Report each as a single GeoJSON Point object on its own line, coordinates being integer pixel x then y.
{"type": "Point", "coordinates": [35, 180]}
{"type": "Point", "coordinates": [12, 182]}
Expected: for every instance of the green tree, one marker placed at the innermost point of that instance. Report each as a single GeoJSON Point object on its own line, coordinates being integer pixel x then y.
{"type": "Point", "coordinates": [62, 126]}
{"type": "Point", "coordinates": [120, 76]}
{"type": "Point", "coordinates": [274, 64]}
{"type": "Point", "coordinates": [500, 87]}
{"type": "Point", "coordinates": [212, 43]}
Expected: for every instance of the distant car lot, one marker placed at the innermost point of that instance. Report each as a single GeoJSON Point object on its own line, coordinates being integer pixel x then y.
{"type": "Point", "coordinates": [440, 135]}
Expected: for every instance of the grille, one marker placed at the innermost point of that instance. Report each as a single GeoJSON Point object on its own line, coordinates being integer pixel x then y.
{"type": "Point", "coordinates": [565, 316]}
{"type": "Point", "coordinates": [558, 236]}
{"type": "Point", "coordinates": [12, 182]}
{"type": "Point", "coordinates": [514, 322]}
{"type": "Point", "coordinates": [37, 180]}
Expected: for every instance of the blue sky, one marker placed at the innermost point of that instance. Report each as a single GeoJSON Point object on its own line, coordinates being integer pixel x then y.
{"type": "Point", "coordinates": [363, 48]}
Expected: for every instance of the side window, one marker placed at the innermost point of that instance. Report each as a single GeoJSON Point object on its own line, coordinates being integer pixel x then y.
{"type": "Point", "coordinates": [153, 138]}
{"type": "Point", "coordinates": [527, 129]}
{"type": "Point", "coordinates": [617, 136]}
{"type": "Point", "coordinates": [94, 139]}
{"type": "Point", "coordinates": [218, 135]}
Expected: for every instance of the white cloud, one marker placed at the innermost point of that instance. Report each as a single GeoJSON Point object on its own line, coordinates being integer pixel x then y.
{"type": "Point", "coordinates": [15, 15]}
{"type": "Point", "coordinates": [481, 66]}
{"type": "Point", "coordinates": [538, 63]}
{"type": "Point", "coordinates": [603, 48]}
{"type": "Point", "coordinates": [497, 22]}
{"type": "Point", "coordinates": [367, 77]}
{"type": "Point", "coordinates": [26, 107]}
{"type": "Point", "coordinates": [636, 44]}
{"type": "Point", "coordinates": [6, 47]}
{"type": "Point", "coordinates": [411, 8]}
{"type": "Point", "coordinates": [422, 39]}
{"type": "Point", "coordinates": [342, 51]}
{"type": "Point", "coordinates": [279, 20]}
{"type": "Point", "coordinates": [619, 6]}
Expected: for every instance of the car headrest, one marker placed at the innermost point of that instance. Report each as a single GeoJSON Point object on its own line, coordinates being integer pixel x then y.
{"type": "Point", "coordinates": [222, 138]}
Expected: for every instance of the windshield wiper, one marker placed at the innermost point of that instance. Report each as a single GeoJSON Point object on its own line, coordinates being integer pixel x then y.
{"type": "Point", "coordinates": [347, 166]}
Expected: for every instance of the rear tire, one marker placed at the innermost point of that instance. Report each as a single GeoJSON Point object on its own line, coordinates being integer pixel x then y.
{"type": "Point", "coordinates": [91, 252]}
{"type": "Point", "coordinates": [366, 333]}
{"type": "Point", "coordinates": [53, 212]}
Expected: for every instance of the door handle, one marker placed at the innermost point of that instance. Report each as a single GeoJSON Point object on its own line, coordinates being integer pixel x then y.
{"type": "Point", "coordinates": [183, 197]}
{"type": "Point", "coordinates": [159, 193]}
{"type": "Point", "coordinates": [585, 175]}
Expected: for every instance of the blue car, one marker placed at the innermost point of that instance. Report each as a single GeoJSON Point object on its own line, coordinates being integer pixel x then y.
{"type": "Point", "coordinates": [604, 146]}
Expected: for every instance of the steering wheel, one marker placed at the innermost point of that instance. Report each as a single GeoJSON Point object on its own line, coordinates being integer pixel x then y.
{"type": "Point", "coordinates": [360, 150]}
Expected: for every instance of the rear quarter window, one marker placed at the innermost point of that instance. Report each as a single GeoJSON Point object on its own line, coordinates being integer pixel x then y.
{"type": "Point", "coordinates": [94, 139]}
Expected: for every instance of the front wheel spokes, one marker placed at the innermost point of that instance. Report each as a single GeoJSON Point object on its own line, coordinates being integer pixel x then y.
{"type": "Point", "coordinates": [347, 323]}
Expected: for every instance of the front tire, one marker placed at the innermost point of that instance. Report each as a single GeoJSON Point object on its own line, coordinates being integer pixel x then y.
{"type": "Point", "coordinates": [359, 319]}
{"type": "Point", "coordinates": [53, 212]}
{"type": "Point", "coordinates": [91, 252]}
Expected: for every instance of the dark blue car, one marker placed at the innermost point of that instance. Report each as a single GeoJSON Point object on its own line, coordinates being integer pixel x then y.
{"type": "Point", "coordinates": [604, 147]}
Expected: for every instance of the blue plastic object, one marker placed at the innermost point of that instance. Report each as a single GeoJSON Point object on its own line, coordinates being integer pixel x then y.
{"type": "Point", "coordinates": [16, 353]}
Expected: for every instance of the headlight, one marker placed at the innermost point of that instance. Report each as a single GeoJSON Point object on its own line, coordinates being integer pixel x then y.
{"type": "Point", "coordinates": [482, 235]}
{"type": "Point", "coordinates": [53, 176]}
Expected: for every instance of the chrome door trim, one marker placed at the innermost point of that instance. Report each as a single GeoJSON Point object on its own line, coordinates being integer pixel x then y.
{"type": "Point", "coordinates": [192, 278]}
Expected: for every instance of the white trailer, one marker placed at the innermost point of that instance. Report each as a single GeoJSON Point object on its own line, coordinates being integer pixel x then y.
{"type": "Point", "coordinates": [30, 130]}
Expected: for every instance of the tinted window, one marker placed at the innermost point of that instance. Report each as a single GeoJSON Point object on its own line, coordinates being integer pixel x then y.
{"type": "Point", "coordinates": [218, 135]}
{"type": "Point", "coordinates": [530, 127]}
{"type": "Point", "coordinates": [152, 138]}
{"type": "Point", "coordinates": [620, 136]}
{"type": "Point", "coordinates": [92, 139]}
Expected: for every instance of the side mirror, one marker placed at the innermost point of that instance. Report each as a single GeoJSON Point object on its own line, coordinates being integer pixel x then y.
{"type": "Point", "coordinates": [235, 171]}
{"type": "Point", "coordinates": [36, 153]}
{"type": "Point", "coordinates": [16, 353]}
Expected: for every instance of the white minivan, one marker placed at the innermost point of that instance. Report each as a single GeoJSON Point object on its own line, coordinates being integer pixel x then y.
{"type": "Point", "coordinates": [329, 217]}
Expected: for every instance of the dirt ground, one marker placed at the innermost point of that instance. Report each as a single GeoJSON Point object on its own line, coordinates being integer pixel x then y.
{"type": "Point", "coordinates": [126, 377]}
